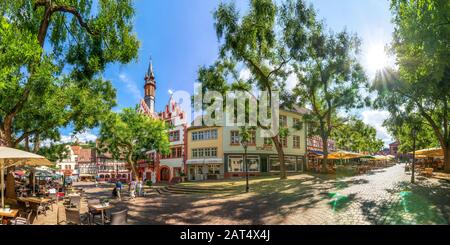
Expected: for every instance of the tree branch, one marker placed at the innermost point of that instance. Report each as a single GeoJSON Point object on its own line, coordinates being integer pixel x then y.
{"type": "Point", "coordinates": [23, 136]}
{"type": "Point", "coordinates": [76, 13]}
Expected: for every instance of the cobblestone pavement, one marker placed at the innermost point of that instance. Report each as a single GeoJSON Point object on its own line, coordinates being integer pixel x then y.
{"type": "Point", "coordinates": [383, 196]}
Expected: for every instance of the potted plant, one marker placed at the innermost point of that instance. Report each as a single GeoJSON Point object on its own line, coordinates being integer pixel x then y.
{"type": "Point", "coordinates": [105, 202]}
{"type": "Point", "coordinates": [149, 183]}
{"type": "Point", "coordinates": [183, 177]}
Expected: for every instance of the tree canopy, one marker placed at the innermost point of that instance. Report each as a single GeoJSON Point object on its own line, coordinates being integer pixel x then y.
{"type": "Point", "coordinates": [330, 77]}
{"type": "Point", "coordinates": [354, 135]}
{"type": "Point", "coordinates": [53, 56]}
{"type": "Point", "coordinates": [420, 86]}
{"type": "Point", "coordinates": [129, 134]}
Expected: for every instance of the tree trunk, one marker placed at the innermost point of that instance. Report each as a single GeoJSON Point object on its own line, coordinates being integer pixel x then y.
{"type": "Point", "coordinates": [133, 167]}
{"type": "Point", "coordinates": [325, 155]}
{"type": "Point", "coordinates": [446, 159]}
{"type": "Point", "coordinates": [27, 143]}
{"type": "Point", "coordinates": [279, 148]}
{"type": "Point", "coordinates": [7, 132]}
{"type": "Point", "coordinates": [37, 143]}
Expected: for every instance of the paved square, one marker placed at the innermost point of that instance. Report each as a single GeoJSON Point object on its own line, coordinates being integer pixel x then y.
{"type": "Point", "coordinates": [383, 196]}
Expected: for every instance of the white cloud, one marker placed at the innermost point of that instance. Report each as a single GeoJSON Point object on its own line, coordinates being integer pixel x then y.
{"type": "Point", "coordinates": [291, 81]}
{"type": "Point", "coordinates": [130, 85]}
{"type": "Point", "coordinates": [245, 74]}
{"type": "Point", "coordinates": [376, 119]}
{"type": "Point", "coordinates": [82, 137]}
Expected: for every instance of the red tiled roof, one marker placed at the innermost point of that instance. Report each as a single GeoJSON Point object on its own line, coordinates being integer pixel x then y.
{"type": "Point", "coordinates": [76, 149]}
{"type": "Point", "coordinates": [85, 155]}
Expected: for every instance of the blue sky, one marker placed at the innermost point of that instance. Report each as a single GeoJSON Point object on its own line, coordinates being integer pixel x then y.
{"type": "Point", "coordinates": [179, 36]}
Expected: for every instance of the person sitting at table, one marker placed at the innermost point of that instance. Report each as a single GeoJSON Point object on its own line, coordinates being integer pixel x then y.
{"type": "Point", "coordinates": [42, 191]}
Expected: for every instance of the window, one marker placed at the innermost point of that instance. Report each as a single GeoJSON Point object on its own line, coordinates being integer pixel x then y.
{"type": "Point", "coordinates": [214, 134]}
{"type": "Point", "coordinates": [177, 172]}
{"type": "Point", "coordinates": [194, 153]}
{"type": "Point", "coordinates": [296, 141]}
{"type": "Point", "coordinates": [296, 122]}
{"type": "Point", "coordinates": [252, 138]}
{"type": "Point", "coordinates": [283, 121]}
{"type": "Point", "coordinates": [213, 152]}
{"type": "Point", "coordinates": [267, 141]}
{"type": "Point", "coordinates": [204, 152]}
{"type": "Point", "coordinates": [204, 135]}
{"type": "Point", "coordinates": [174, 136]}
{"type": "Point", "coordinates": [179, 152]}
{"type": "Point", "coordinates": [234, 137]}
{"type": "Point", "coordinates": [213, 169]}
{"type": "Point", "coordinates": [283, 141]}
{"type": "Point", "coordinates": [253, 163]}
{"type": "Point", "coordinates": [235, 164]}
{"type": "Point", "coordinates": [290, 163]}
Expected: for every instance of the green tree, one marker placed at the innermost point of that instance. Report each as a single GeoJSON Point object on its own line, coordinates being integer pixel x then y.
{"type": "Point", "coordinates": [401, 128]}
{"type": "Point", "coordinates": [421, 85]}
{"type": "Point", "coordinates": [54, 152]}
{"type": "Point", "coordinates": [355, 135]}
{"type": "Point", "coordinates": [251, 42]}
{"type": "Point", "coordinates": [53, 55]}
{"type": "Point", "coordinates": [128, 134]}
{"type": "Point", "coordinates": [329, 74]}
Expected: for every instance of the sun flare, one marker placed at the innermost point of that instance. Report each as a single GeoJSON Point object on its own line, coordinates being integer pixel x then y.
{"type": "Point", "coordinates": [377, 58]}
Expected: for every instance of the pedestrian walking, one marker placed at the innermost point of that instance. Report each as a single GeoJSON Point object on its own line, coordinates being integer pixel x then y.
{"type": "Point", "coordinates": [119, 189]}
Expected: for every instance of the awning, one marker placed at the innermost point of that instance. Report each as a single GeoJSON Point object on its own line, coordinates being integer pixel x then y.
{"type": "Point", "coordinates": [204, 161]}
{"type": "Point", "coordinates": [431, 152]}
{"type": "Point", "coordinates": [315, 152]}
{"type": "Point", "coordinates": [343, 155]}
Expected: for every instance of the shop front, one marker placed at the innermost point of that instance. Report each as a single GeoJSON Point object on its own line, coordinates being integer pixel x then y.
{"type": "Point", "coordinates": [205, 169]}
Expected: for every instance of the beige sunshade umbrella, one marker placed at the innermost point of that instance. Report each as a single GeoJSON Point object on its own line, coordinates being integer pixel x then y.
{"type": "Point", "coordinates": [12, 157]}
{"type": "Point", "coordinates": [343, 155]}
{"type": "Point", "coordinates": [430, 152]}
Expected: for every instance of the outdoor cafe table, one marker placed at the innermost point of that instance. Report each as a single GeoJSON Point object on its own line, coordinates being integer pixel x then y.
{"type": "Point", "coordinates": [101, 208]}
{"type": "Point", "coordinates": [11, 214]}
{"type": "Point", "coordinates": [34, 199]}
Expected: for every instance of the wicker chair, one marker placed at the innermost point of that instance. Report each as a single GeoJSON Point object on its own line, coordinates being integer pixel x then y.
{"type": "Point", "coordinates": [37, 209]}
{"type": "Point", "coordinates": [73, 217]}
{"type": "Point", "coordinates": [92, 211]}
{"type": "Point", "coordinates": [75, 201]}
{"type": "Point", "coordinates": [24, 218]}
{"type": "Point", "coordinates": [119, 218]}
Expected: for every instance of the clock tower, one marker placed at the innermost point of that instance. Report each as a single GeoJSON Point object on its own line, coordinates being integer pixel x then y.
{"type": "Point", "coordinates": [149, 88]}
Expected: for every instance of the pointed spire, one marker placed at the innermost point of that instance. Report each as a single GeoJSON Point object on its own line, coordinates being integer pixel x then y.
{"type": "Point", "coordinates": [150, 73]}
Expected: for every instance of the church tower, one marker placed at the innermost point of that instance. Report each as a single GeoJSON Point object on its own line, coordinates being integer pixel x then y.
{"type": "Point", "coordinates": [149, 88]}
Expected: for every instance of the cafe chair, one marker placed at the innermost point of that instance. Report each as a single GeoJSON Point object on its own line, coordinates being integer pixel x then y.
{"type": "Point", "coordinates": [24, 218]}
{"type": "Point", "coordinates": [73, 217]}
{"type": "Point", "coordinates": [119, 218]}
{"type": "Point", "coordinates": [37, 209]}
{"type": "Point", "coordinates": [75, 202]}
{"type": "Point", "coordinates": [92, 211]}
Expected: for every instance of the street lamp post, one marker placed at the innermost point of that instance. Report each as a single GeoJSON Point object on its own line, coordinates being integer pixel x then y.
{"type": "Point", "coordinates": [244, 143]}
{"type": "Point", "coordinates": [414, 134]}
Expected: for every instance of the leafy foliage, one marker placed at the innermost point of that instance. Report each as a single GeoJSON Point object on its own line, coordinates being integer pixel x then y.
{"type": "Point", "coordinates": [330, 78]}
{"type": "Point", "coordinates": [421, 86]}
{"type": "Point", "coordinates": [53, 55]}
{"type": "Point", "coordinates": [128, 134]}
{"type": "Point", "coordinates": [354, 135]}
